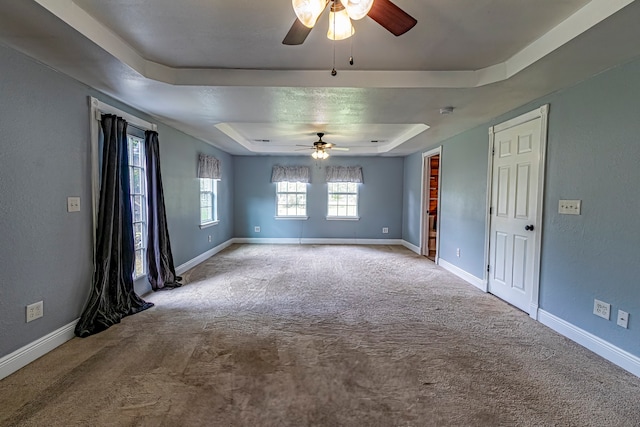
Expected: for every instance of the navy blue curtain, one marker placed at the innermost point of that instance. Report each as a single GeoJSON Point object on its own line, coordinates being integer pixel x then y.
{"type": "Point", "coordinates": [112, 294]}
{"type": "Point", "coordinates": [162, 273]}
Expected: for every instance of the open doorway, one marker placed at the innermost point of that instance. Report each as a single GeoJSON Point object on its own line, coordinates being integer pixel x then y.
{"type": "Point", "coordinates": [430, 203]}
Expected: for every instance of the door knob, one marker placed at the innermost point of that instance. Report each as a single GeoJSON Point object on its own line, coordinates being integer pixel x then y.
{"type": "Point", "coordinates": [528, 227]}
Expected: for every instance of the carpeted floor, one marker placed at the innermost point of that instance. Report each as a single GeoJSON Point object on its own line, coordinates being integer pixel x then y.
{"type": "Point", "coordinates": [266, 335]}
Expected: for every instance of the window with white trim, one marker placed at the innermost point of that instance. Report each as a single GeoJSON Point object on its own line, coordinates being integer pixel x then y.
{"type": "Point", "coordinates": [138, 195]}
{"type": "Point", "coordinates": [208, 200]}
{"type": "Point", "coordinates": [291, 199]}
{"type": "Point", "coordinates": [342, 200]}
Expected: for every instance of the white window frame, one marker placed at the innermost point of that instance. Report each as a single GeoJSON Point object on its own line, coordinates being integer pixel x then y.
{"type": "Point", "coordinates": [97, 109]}
{"type": "Point", "coordinates": [142, 195]}
{"type": "Point", "coordinates": [214, 203]}
{"type": "Point", "coordinates": [356, 193]}
{"type": "Point", "coordinates": [303, 216]}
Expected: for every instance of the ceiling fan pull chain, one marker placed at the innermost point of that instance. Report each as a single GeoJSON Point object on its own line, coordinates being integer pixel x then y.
{"type": "Point", "coordinates": [333, 70]}
{"type": "Point", "coordinates": [351, 56]}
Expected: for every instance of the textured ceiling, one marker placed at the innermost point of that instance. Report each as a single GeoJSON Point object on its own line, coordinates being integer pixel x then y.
{"type": "Point", "coordinates": [218, 70]}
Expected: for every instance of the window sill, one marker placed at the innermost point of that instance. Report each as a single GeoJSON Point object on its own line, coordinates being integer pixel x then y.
{"type": "Point", "coordinates": [343, 218]}
{"type": "Point", "coordinates": [298, 218]}
{"type": "Point", "coordinates": [208, 224]}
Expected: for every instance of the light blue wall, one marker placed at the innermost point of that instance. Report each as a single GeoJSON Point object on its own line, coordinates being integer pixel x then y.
{"type": "Point", "coordinates": [411, 198]}
{"type": "Point", "coordinates": [463, 200]}
{"type": "Point", "coordinates": [179, 153]}
{"type": "Point", "coordinates": [593, 154]}
{"type": "Point", "coordinates": [46, 252]}
{"type": "Point", "coordinates": [380, 199]}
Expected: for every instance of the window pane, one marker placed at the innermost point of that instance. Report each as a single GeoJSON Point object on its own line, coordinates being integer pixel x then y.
{"type": "Point", "coordinates": [138, 235]}
{"type": "Point", "coordinates": [135, 151]}
{"type": "Point", "coordinates": [351, 211]}
{"type": "Point", "coordinates": [343, 187]}
{"type": "Point", "coordinates": [139, 266]}
{"type": "Point", "coordinates": [205, 199]}
{"type": "Point", "coordinates": [135, 178]}
{"type": "Point", "coordinates": [301, 199]}
{"type": "Point", "coordinates": [333, 211]}
{"type": "Point", "coordinates": [205, 184]}
{"type": "Point", "coordinates": [205, 214]}
{"type": "Point", "coordinates": [352, 200]}
{"type": "Point", "coordinates": [342, 211]}
{"type": "Point", "coordinates": [352, 187]}
{"type": "Point", "coordinates": [281, 186]}
{"type": "Point", "coordinates": [138, 208]}
{"type": "Point", "coordinates": [291, 200]}
{"type": "Point", "coordinates": [302, 187]}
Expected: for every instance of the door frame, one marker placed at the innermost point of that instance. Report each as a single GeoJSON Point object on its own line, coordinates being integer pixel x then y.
{"type": "Point", "coordinates": [425, 200]}
{"type": "Point", "coordinates": [542, 113]}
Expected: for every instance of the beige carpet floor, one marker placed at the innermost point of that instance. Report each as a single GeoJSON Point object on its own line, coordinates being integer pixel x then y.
{"type": "Point", "coordinates": [293, 335]}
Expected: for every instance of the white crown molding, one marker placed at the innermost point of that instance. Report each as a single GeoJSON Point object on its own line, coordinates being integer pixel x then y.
{"type": "Point", "coordinates": [411, 131]}
{"type": "Point", "coordinates": [584, 19]}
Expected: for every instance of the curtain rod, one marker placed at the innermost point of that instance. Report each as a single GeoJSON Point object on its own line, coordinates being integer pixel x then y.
{"type": "Point", "coordinates": [101, 108]}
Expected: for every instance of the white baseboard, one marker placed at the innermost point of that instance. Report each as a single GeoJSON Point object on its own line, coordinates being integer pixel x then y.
{"type": "Point", "coordinates": [468, 277]}
{"type": "Point", "coordinates": [613, 354]}
{"type": "Point", "coordinates": [203, 257]}
{"type": "Point", "coordinates": [32, 351]}
{"type": "Point", "coordinates": [315, 241]}
{"type": "Point", "coordinates": [411, 247]}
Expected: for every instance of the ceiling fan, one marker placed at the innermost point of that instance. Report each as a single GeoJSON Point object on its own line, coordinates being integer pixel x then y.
{"type": "Point", "coordinates": [321, 148]}
{"type": "Point", "coordinates": [385, 13]}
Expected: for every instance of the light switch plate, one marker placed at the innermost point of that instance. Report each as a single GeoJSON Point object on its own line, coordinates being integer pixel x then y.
{"type": "Point", "coordinates": [569, 207]}
{"type": "Point", "coordinates": [73, 204]}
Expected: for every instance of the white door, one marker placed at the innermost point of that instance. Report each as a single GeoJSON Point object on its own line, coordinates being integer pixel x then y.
{"type": "Point", "coordinates": [514, 213]}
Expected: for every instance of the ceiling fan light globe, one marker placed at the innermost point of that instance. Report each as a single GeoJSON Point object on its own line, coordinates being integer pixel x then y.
{"type": "Point", "coordinates": [340, 26]}
{"type": "Point", "coordinates": [325, 155]}
{"type": "Point", "coordinates": [308, 11]}
{"type": "Point", "coordinates": [315, 155]}
{"type": "Point", "coordinates": [357, 9]}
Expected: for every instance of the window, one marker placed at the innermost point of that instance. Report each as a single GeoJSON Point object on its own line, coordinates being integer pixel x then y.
{"type": "Point", "coordinates": [342, 200]}
{"type": "Point", "coordinates": [291, 199]}
{"type": "Point", "coordinates": [138, 194]}
{"type": "Point", "coordinates": [208, 201]}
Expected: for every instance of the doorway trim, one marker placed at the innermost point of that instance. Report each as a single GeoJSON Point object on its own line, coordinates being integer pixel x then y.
{"type": "Point", "coordinates": [542, 113]}
{"type": "Point", "coordinates": [423, 218]}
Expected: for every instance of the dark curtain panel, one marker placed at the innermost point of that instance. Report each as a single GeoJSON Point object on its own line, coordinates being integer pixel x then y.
{"type": "Point", "coordinates": [112, 295]}
{"type": "Point", "coordinates": [162, 273]}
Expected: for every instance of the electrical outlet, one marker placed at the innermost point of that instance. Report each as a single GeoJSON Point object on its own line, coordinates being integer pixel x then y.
{"type": "Point", "coordinates": [209, 238]}
{"type": "Point", "coordinates": [35, 311]}
{"type": "Point", "coordinates": [602, 309]}
{"type": "Point", "coordinates": [256, 229]}
{"type": "Point", "coordinates": [73, 204]}
{"type": "Point", "coordinates": [385, 230]}
{"type": "Point", "coordinates": [623, 319]}
{"type": "Point", "coordinates": [458, 252]}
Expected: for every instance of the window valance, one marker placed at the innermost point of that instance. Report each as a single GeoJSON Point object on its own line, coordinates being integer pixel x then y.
{"type": "Point", "coordinates": [290, 174]}
{"type": "Point", "coordinates": [209, 167]}
{"type": "Point", "coordinates": [344, 174]}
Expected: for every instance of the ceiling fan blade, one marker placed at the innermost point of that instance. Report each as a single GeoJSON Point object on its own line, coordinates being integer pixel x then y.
{"type": "Point", "coordinates": [297, 34]}
{"type": "Point", "coordinates": [339, 149]}
{"type": "Point", "coordinates": [391, 17]}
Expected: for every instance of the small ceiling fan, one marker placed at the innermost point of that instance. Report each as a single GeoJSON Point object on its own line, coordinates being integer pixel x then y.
{"type": "Point", "coordinates": [321, 148]}
{"type": "Point", "coordinates": [385, 13]}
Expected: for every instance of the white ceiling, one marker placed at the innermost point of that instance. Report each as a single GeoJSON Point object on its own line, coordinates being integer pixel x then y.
{"type": "Point", "coordinates": [218, 70]}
